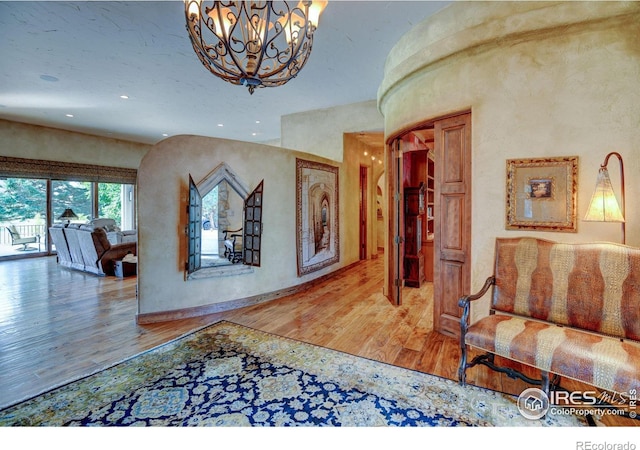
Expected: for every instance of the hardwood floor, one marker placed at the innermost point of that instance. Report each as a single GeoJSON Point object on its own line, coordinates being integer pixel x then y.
{"type": "Point", "coordinates": [57, 324]}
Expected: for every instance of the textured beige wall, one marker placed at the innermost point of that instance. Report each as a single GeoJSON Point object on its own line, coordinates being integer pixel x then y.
{"type": "Point", "coordinates": [162, 183]}
{"type": "Point", "coordinates": [320, 131]}
{"type": "Point", "coordinates": [21, 140]}
{"type": "Point", "coordinates": [355, 158]}
{"type": "Point", "coordinates": [542, 80]}
{"type": "Point", "coordinates": [162, 196]}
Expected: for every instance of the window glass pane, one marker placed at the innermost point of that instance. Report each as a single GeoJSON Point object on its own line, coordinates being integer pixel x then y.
{"type": "Point", "coordinates": [23, 209]}
{"type": "Point", "coordinates": [221, 211]}
{"type": "Point", "coordinates": [115, 201]}
{"type": "Point", "coordinates": [74, 195]}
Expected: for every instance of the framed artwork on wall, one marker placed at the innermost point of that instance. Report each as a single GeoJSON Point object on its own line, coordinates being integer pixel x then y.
{"type": "Point", "coordinates": [317, 238]}
{"type": "Point", "coordinates": [541, 194]}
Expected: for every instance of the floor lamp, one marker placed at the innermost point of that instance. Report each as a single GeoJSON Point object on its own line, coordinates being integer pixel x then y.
{"type": "Point", "coordinates": [67, 215]}
{"type": "Point", "coordinates": [604, 206]}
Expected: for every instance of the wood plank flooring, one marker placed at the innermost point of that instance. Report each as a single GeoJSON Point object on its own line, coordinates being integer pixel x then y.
{"type": "Point", "coordinates": [57, 325]}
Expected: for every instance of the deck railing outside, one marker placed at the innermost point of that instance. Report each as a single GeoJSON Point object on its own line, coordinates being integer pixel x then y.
{"type": "Point", "coordinates": [25, 229]}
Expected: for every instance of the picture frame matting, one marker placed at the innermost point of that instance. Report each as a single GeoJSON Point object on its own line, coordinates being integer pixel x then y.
{"type": "Point", "coordinates": [542, 194]}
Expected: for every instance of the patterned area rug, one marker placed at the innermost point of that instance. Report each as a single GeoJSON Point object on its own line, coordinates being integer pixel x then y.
{"type": "Point", "coordinates": [231, 375]}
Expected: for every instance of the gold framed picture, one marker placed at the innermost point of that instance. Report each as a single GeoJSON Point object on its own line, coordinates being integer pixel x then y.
{"type": "Point", "coordinates": [541, 194]}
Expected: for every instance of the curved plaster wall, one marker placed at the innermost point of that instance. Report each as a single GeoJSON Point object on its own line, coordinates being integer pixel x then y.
{"type": "Point", "coordinates": [541, 79]}
{"type": "Point", "coordinates": [163, 178]}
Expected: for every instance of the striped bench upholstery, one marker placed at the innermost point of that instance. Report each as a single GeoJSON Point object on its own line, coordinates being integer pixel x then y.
{"type": "Point", "coordinates": [571, 310]}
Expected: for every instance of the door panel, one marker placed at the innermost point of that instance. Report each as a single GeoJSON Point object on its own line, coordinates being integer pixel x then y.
{"type": "Point", "coordinates": [453, 165]}
{"type": "Point", "coordinates": [453, 220]}
{"type": "Point", "coordinates": [452, 283]}
{"type": "Point", "coordinates": [252, 230]}
{"type": "Point", "coordinates": [452, 216]}
{"type": "Point", "coordinates": [194, 228]}
{"type": "Point", "coordinates": [395, 223]}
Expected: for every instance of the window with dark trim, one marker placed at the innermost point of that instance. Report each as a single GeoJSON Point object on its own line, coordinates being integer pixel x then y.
{"type": "Point", "coordinates": [248, 252]}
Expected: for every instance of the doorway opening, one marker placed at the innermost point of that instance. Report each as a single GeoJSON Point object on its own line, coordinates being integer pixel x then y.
{"type": "Point", "coordinates": [429, 205]}
{"type": "Point", "coordinates": [366, 148]}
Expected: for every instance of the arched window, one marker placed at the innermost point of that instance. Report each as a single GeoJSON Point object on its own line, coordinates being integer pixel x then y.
{"type": "Point", "coordinates": [225, 225]}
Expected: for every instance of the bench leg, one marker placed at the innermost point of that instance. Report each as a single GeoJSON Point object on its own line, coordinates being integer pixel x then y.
{"type": "Point", "coordinates": [544, 382]}
{"type": "Point", "coordinates": [462, 368]}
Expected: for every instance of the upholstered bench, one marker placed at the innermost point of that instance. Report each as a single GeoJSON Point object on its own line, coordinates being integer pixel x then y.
{"type": "Point", "coordinates": [569, 310]}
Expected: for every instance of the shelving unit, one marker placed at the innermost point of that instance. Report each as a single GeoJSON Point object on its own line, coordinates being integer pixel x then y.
{"type": "Point", "coordinates": [420, 212]}
{"type": "Point", "coordinates": [413, 256]}
{"type": "Point", "coordinates": [430, 194]}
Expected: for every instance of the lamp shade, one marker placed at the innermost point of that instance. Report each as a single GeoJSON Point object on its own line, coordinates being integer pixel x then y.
{"type": "Point", "coordinates": [68, 214]}
{"type": "Point", "coordinates": [604, 206]}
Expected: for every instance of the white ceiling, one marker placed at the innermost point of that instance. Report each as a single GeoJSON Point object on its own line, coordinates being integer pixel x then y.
{"type": "Point", "coordinates": [59, 58]}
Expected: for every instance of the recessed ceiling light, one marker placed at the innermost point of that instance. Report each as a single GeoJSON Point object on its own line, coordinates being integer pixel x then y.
{"type": "Point", "coordinates": [165, 134]}
{"type": "Point", "coordinates": [254, 134]}
{"type": "Point", "coordinates": [124, 97]}
{"type": "Point", "coordinates": [69, 115]}
{"type": "Point", "coordinates": [48, 78]}
{"type": "Point", "coordinates": [257, 121]}
{"type": "Point", "coordinates": [220, 125]}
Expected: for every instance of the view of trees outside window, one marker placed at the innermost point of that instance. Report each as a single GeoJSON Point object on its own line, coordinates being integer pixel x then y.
{"type": "Point", "coordinates": [74, 195]}
{"type": "Point", "coordinates": [110, 201]}
{"type": "Point", "coordinates": [23, 200]}
{"type": "Point", "coordinates": [23, 210]}
{"type": "Point", "coordinates": [210, 209]}
{"type": "Point", "coordinates": [209, 237]}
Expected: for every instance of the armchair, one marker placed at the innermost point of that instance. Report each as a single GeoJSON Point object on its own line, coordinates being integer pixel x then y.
{"type": "Point", "coordinates": [233, 245]}
{"type": "Point", "coordinates": [16, 239]}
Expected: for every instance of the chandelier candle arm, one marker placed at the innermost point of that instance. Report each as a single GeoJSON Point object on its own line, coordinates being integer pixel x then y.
{"type": "Point", "coordinates": [253, 43]}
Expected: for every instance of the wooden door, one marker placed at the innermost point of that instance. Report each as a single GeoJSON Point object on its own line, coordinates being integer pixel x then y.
{"type": "Point", "coordinates": [395, 223]}
{"type": "Point", "coordinates": [452, 232]}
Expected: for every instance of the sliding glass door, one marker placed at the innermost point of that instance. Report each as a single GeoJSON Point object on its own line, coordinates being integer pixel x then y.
{"type": "Point", "coordinates": [28, 206]}
{"type": "Point", "coordinates": [23, 216]}
{"type": "Point", "coordinates": [115, 201]}
{"type": "Point", "coordinates": [73, 195]}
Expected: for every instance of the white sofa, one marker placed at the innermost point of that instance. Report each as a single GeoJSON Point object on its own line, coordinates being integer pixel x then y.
{"type": "Point", "coordinates": [86, 248]}
{"type": "Point", "coordinates": [114, 234]}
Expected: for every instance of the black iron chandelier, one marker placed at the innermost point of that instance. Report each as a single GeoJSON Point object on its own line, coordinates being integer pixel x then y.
{"type": "Point", "coordinates": [253, 43]}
